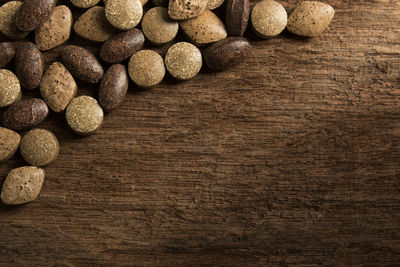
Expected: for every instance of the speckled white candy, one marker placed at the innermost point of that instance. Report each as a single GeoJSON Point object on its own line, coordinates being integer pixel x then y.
{"type": "Point", "coordinates": [124, 14]}
{"type": "Point", "coordinates": [84, 115]}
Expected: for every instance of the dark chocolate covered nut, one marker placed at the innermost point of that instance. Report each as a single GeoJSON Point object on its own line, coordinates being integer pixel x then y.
{"type": "Point", "coordinates": [113, 87]}
{"type": "Point", "coordinates": [226, 53]}
{"type": "Point", "coordinates": [29, 65]}
{"type": "Point", "coordinates": [34, 13]}
{"type": "Point", "coordinates": [7, 53]}
{"type": "Point", "coordinates": [25, 114]}
{"type": "Point", "coordinates": [237, 16]}
{"type": "Point", "coordinates": [122, 46]}
{"type": "Point", "coordinates": [82, 64]}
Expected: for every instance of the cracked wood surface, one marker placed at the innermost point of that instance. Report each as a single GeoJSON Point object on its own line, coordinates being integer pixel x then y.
{"type": "Point", "coordinates": [290, 159]}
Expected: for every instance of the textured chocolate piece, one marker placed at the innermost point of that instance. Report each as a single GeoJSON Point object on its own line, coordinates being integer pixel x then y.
{"type": "Point", "coordinates": [146, 68]}
{"type": "Point", "coordinates": [186, 9]}
{"type": "Point", "coordinates": [82, 64]}
{"type": "Point", "coordinates": [29, 65]}
{"type": "Point", "coordinates": [58, 87]}
{"type": "Point", "coordinates": [56, 30]}
{"type": "Point", "coordinates": [237, 16]}
{"type": "Point", "coordinates": [7, 53]}
{"type": "Point", "coordinates": [113, 87]}
{"type": "Point", "coordinates": [226, 53]}
{"type": "Point", "coordinates": [158, 27]}
{"type": "Point", "coordinates": [25, 114]}
{"type": "Point", "coordinates": [122, 46]}
{"type": "Point", "coordinates": [34, 13]}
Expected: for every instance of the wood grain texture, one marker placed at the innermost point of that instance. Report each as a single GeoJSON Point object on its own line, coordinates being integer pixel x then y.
{"type": "Point", "coordinates": [290, 159]}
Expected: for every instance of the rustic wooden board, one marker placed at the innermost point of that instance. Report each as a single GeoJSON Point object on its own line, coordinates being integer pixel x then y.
{"type": "Point", "coordinates": [290, 159]}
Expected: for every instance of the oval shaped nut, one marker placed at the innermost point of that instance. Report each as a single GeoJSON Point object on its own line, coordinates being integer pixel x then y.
{"type": "Point", "coordinates": [34, 13]}
{"type": "Point", "coordinates": [146, 68]}
{"type": "Point", "coordinates": [25, 114]}
{"type": "Point", "coordinates": [10, 89]}
{"type": "Point", "coordinates": [237, 16]}
{"type": "Point", "coordinates": [7, 53]}
{"type": "Point", "coordinates": [183, 61]}
{"type": "Point", "coordinates": [39, 147]}
{"type": "Point", "coordinates": [9, 143]}
{"type": "Point", "coordinates": [268, 18]}
{"type": "Point", "coordinates": [93, 25]}
{"type": "Point", "coordinates": [56, 30]}
{"type": "Point", "coordinates": [204, 29]}
{"type": "Point", "coordinates": [84, 3]}
{"type": "Point", "coordinates": [158, 27]}
{"type": "Point", "coordinates": [122, 46]}
{"type": "Point", "coordinates": [186, 9]}
{"type": "Point", "coordinates": [310, 18]}
{"type": "Point", "coordinates": [226, 53]}
{"type": "Point", "coordinates": [29, 65]}
{"type": "Point", "coordinates": [82, 64]}
{"type": "Point", "coordinates": [58, 87]}
{"type": "Point", "coordinates": [124, 14]}
{"type": "Point", "coordinates": [22, 185]}
{"type": "Point", "coordinates": [84, 115]}
{"type": "Point", "coordinates": [113, 87]}
{"type": "Point", "coordinates": [8, 13]}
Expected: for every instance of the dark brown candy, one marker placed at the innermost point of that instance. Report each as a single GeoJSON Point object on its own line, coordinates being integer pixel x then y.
{"type": "Point", "coordinates": [226, 53]}
{"type": "Point", "coordinates": [113, 87]}
{"type": "Point", "coordinates": [34, 13]}
{"type": "Point", "coordinates": [29, 65]}
{"type": "Point", "coordinates": [82, 64]}
{"type": "Point", "coordinates": [237, 16]}
{"type": "Point", "coordinates": [25, 114]}
{"type": "Point", "coordinates": [122, 45]}
{"type": "Point", "coordinates": [7, 53]}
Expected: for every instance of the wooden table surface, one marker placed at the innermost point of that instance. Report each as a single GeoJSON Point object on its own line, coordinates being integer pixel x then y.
{"type": "Point", "coordinates": [290, 159]}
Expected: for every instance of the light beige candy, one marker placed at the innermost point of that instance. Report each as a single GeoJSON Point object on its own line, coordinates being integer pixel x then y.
{"type": "Point", "coordinates": [186, 9]}
{"type": "Point", "coordinates": [39, 147]}
{"type": "Point", "coordinates": [146, 68]}
{"type": "Point", "coordinates": [58, 87]}
{"type": "Point", "coordinates": [84, 115]}
{"type": "Point", "coordinates": [183, 61]}
{"type": "Point", "coordinates": [213, 4]}
{"type": "Point", "coordinates": [124, 14]}
{"type": "Point", "coordinates": [10, 88]}
{"type": "Point", "coordinates": [8, 12]}
{"type": "Point", "coordinates": [9, 143]}
{"type": "Point", "coordinates": [204, 29]}
{"type": "Point", "coordinates": [93, 25]}
{"type": "Point", "coordinates": [268, 18]}
{"type": "Point", "coordinates": [56, 30]}
{"type": "Point", "coordinates": [310, 18]}
{"type": "Point", "coordinates": [158, 27]}
{"type": "Point", "coordinates": [84, 3]}
{"type": "Point", "coordinates": [22, 185]}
